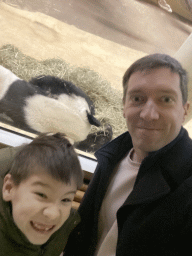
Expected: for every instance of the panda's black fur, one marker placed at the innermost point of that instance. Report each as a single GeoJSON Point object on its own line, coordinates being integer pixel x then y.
{"type": "Point", "coordinates": [96, 140]}
{"type": "Point", "coordinates": [12, 104]}
{"type": "Point", "coordinates": [53, 86]}
{"type": "Point", "coordinates": [28, 104]}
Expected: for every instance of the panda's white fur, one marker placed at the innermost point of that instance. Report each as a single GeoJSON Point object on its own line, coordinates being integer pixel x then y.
{"type": "Point", "coordinates": [6, 79]}
{"type": "Point", "coordinates": [66, 114]}
{"type": "Point", "coordinates": [30, 108]}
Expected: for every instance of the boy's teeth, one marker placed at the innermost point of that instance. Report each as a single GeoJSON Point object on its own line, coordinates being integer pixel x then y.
{"type": "Point", "coordinates": [42, 227]}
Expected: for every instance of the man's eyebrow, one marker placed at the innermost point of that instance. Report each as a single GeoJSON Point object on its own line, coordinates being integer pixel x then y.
{"type": "Point", "coordinates": [134, 91]}
{"type": "Point", "coordinates": [169, 91]}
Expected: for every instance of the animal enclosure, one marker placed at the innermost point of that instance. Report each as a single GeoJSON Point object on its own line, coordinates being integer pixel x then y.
{"type": "Point", "coordinates": [107, 100]}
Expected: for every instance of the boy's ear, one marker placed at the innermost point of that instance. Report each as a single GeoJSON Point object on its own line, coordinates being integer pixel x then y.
{"type": "Point", "coordinates": [8, 186]}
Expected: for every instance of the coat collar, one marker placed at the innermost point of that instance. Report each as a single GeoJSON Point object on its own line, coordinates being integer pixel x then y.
{"type": "Point", "coordinates": [163, 171]}
{"type": "Point", "coordinates": [115, 150]}
{"type": "Point", "coordinates": [160, 172]}
{"type": "Point", "coordinates": [150, 187]}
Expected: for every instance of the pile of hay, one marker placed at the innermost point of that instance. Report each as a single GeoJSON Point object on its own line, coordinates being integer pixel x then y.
{"type": "Point", "coordinates": [107, 100]}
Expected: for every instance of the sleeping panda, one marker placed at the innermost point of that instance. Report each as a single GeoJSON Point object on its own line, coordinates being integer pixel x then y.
{"type": "Point", "coordinates": [46, 104]}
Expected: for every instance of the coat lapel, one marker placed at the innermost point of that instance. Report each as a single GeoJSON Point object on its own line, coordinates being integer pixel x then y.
{"type": "Point", "coordinates": [150, 187]}
{"type": "Point", "coordinates": [108, 157]}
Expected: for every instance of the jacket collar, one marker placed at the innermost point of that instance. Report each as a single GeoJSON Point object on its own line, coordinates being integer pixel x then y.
{"type": "Point", "coordinates": [160, 172]}
{"type": "Point", "coordinates": [115, 150]}
{"type": "Point", "coordinates": [163, 171]}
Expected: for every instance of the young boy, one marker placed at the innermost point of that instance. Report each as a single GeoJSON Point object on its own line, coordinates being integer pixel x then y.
{"type": "Point", "coordinates": [36, 199]}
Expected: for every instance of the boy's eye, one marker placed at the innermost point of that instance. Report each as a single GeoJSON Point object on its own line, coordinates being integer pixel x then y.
{"type": "Point", "coordinates": [67, 200]}
{"type": "Point", "coordinates": [41, 195]}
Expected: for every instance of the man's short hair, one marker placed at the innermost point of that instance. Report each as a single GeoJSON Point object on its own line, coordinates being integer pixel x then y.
{"type": "Point", "coordinates": [53, 154]}
{"type": "Point", "coordinates": [155, 61]}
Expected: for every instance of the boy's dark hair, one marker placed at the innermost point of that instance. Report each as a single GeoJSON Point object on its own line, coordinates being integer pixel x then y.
{"type": "Point", "coordinates": [155, 61]}
{"type": "Point", "coordinates": [53, 154]}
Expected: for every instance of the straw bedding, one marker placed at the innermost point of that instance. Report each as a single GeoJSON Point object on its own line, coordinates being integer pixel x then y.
{"type": "Point", "coordinates": [107, 100]}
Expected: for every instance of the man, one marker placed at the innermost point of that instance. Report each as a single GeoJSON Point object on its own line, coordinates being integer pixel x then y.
{"type": "Point", "coordinates": [139, 201]}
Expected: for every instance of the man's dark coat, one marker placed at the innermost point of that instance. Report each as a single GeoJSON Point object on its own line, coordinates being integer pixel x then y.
{"type": "Point", "coordinates": [156, 218]}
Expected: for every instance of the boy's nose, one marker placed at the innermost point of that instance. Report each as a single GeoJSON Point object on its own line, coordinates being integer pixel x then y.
{"type": "Point", "coordinates": [149, 111]}
{"type": "Point", "coordinates": [52, 212]}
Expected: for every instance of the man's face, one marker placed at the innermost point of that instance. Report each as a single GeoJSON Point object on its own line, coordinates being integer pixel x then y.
{"type": "Point", "coordinates": [40, 205]}
{"type": "Point", "coordinates": [153, 109]}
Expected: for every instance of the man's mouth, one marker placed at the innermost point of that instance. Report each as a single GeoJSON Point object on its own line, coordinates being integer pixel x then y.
{"type": "Point", "coordinates": [150, 128]}
{"type": "Point", "coordinates": [43, 228]}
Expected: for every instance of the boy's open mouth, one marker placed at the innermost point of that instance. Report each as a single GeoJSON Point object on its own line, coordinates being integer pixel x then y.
{"type": "Point", "coordinates": [41, 227]}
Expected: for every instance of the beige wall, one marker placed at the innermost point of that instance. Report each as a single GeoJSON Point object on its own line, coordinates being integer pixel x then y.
{"type": "Point", "coordinates": [184, 56]}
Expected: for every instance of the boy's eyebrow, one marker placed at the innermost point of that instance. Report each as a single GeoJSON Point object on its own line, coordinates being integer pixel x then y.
{"type": "Point", "coordinates": [71, 192]}
{"type": "Point", "coordinates": [36, 183]}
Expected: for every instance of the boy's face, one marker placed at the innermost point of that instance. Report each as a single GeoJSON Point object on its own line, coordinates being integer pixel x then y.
{"type": "Point", "coordinates": [40, 205]}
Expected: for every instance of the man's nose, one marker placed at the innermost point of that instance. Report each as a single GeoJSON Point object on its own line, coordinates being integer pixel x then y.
{"type": "Point", "coordinates": [52, 212]}
{"type": "Point", "coordinates": [149, 111]}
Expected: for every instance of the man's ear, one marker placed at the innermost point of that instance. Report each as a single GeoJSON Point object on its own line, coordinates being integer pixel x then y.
{"type": "Point", "coordinates": [8, 185]}
{"type": "Point", "coordinates": [186, 109]}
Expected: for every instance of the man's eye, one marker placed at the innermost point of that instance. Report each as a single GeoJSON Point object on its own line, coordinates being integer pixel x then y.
{"type": "Point", "coordinates": [167, 99]}
{"type": "Point", "coordinates": [137, 99]}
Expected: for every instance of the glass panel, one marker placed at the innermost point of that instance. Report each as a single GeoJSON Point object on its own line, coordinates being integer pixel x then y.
{"type": "Point", "coordinates": [88, 43]}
